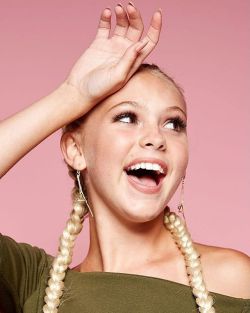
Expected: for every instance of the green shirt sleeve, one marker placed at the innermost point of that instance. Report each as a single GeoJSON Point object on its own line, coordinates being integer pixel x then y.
{"type": "Point", "coordinates": [21, 266]}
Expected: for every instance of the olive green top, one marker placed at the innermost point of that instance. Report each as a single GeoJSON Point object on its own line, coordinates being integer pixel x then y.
{"type": "Point", "coordinates": [24, 272]}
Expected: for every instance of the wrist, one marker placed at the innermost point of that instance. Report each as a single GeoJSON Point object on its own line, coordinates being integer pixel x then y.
{"type": "Point", "coordinates": [78, 103]}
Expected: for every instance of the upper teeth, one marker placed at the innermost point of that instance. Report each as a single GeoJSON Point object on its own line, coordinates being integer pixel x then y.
{"type": "Point", "coordinates": [147, 166]}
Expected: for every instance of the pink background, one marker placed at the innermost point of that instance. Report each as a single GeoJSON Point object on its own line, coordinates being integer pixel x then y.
{"type": "Point", "coordinates": [204, 45]}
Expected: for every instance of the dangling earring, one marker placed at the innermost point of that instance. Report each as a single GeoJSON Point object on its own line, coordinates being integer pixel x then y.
{"type": "Point", "coordinates": [181, 205]}
{"type": "Point", "coordinates": [82, 196]}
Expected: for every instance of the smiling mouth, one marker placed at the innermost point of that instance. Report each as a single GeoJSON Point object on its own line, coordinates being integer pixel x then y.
{"type": "Point", "coordinates": [145, 177]}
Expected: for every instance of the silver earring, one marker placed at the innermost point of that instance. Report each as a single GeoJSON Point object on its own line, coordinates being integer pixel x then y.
{"type": "Point", "coordinates": [78, 174]}
{"type": "Point", "coordinates": [181, 205]}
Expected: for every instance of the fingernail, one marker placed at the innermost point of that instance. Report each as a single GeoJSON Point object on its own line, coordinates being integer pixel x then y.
{"type": "Point", "coordinates": [120, 5]}
{"type": "Point", "coordinates": [160, 10]}
{"type": "Point", "coordinates": [131, 3]}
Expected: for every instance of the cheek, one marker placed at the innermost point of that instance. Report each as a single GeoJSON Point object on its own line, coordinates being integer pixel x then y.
{"type": "Point", "coordinates": [107, 147]}
{"type": "Point", "coordinates": [181, 155]}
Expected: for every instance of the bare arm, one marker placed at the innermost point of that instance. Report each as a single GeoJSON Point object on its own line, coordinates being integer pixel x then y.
{"type": "Point", "coordinates": [23, 131]}
{"type": "Point", "coordinates": [104, 68]}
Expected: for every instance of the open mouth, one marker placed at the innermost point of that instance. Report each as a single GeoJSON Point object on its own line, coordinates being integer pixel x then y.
{"type": "Point", "coordinates": [146, 177]}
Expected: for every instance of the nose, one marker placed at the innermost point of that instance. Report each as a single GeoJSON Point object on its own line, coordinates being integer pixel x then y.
{"type": "Point", "coordinates": [152, 139]}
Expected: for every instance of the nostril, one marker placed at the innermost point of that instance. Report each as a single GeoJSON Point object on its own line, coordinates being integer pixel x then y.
{"type": "Point", "coordinates": [157, 147]}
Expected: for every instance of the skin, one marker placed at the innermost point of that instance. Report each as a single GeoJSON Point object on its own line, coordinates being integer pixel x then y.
{"type": "Point", "coordinates": [124, 220]}
{"type": "Point", "coordinates": [128, 218]}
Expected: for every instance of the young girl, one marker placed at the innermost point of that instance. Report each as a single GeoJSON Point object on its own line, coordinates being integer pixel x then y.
{"type": "Point", "coordinates": [125, 143]}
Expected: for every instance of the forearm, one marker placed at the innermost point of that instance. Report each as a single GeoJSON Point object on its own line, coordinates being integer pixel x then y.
{"type": "Point", "coordinates": [24, 130]}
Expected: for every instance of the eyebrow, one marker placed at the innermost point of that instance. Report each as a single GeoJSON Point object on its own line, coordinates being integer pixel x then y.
{"type": "Point", "coordinates": [136, 105]}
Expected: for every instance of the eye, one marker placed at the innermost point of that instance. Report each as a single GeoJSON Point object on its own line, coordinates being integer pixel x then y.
{"type": "Point", "coordinates": [179, 124]}
{"type": "Point", "coordinates": [126, 117]}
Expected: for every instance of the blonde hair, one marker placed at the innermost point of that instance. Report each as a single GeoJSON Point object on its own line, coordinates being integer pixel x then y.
{"type": "Point", "coordinates": [74, 225]}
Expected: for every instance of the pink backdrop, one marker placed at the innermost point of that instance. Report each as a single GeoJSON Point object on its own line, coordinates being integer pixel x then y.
{"type": "Point", "coordinates": [204, 46]}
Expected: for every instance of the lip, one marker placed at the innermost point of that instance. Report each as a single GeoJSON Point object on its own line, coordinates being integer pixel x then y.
{"type": "Point", "coordinates": [141, 187]}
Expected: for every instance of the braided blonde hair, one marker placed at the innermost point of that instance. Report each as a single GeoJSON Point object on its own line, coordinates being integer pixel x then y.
{"type": "Point", "coordinates": [61, 262]}
{"type": "Point", "coordinates": [74, 225]}
{"type": "Point", "coordinates": [182, 238]}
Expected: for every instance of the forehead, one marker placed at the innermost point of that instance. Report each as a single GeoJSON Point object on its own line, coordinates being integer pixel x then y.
{"type": "Point", "coordinates": [147, 89]}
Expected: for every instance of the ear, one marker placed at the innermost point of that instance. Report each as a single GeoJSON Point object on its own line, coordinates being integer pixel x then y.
{"type": "Point", "coordinates": [72, 150]}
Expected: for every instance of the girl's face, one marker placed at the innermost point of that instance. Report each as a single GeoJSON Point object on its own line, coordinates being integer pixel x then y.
{"type": "Point", "coordinates": [144, 122]}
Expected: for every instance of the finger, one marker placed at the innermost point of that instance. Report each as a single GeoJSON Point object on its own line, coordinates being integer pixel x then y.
{"type": "Point", "coordinates": [124, 66]}
{"type": "Point", "coordinates": [148, 43]}
{"type": "Point", "coordinates": [151, 39]}
{"type": "Point", "coordinates": [142, 54]}
{"type": "Point", "coordinates": [104, 26]}
{"type": "Point", "coordinates": [139, 60]}
{"type": "Point", "coordinates": [153, 33]}
{"type": "Point", "coordinates": [136, 26]}
{"type": "Point", "coordinates": [137, 52]}
{"type": "Point", "coordinates": [122, 22]}
{"type": "Point", "coordinates": [136, 65]}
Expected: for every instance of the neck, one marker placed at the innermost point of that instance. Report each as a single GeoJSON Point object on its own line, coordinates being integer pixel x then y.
{"type": "Point", "coordinates": [118, 246]}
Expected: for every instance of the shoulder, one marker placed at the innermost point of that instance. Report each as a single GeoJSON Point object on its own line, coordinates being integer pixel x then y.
{"type": "Point", "coordinates": [226, 271]}
{"type": "Point", "coordinates": [16, 256]}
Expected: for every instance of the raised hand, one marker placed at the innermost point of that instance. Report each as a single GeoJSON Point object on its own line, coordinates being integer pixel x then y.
{"type": "Point", "coordinates": [103, 68]}
{"type": "Point", "coordinates": [111, 60]}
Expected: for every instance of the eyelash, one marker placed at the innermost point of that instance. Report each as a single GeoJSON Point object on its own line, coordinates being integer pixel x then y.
{"type": "Point", "coordinates": [176, 120]}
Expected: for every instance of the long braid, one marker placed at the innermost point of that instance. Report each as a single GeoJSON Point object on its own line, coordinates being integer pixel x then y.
{"type": "Point", "coordinates": [61, 262]}
{"type": "Point", "coordinates": [184, 242]}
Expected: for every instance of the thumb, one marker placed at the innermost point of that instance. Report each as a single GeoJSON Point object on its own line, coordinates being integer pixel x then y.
{"type": "Point", "coordinates": [128, 59]}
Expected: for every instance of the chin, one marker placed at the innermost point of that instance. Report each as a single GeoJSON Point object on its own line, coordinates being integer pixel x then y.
{"type": "Point", "coordinates": [141, 216]}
